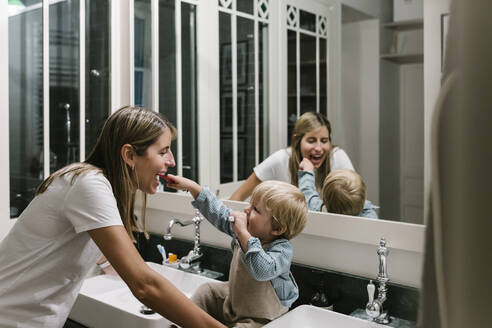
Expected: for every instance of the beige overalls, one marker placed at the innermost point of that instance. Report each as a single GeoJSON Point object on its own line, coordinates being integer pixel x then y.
{"type": "Point", "coordinates": [241, 301]}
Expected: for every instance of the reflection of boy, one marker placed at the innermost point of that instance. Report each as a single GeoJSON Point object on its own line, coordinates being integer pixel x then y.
{"type": "Point", "coordinates": [343, 192]}
{"type": "Point", "coordinates": [260, 287]}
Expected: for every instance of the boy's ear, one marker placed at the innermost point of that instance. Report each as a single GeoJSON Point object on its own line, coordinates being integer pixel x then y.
{"type": "Point", "coordinates": [279, 231]}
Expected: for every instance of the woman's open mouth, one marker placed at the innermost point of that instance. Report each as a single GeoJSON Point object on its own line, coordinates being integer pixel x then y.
{"type": "Point", "coordinates": [317, 160]}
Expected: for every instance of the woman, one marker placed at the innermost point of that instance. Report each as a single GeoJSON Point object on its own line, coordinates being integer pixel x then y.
{"type": "Point", "coordinates": [311, 140]}
{"type": "Point", "coordinates": [85, 209]}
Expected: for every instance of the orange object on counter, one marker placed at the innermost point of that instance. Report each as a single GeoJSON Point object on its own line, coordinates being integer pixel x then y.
{"type": "Point", "coordinates": [172, 257]}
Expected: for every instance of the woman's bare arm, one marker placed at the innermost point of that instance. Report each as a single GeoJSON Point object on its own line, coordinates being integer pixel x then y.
{"type": "Point", "coordinates": [148, 286]}
{"type": "Point", "coordinates": [245, 190]}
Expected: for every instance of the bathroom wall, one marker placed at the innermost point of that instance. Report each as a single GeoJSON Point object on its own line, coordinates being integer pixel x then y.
{"type": "Point", "coordinates": [329, 241]}
{"type": "Point", "coordinates": [360, 101]}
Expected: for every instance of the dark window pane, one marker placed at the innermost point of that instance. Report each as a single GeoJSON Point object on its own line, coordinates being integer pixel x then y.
{"type": "Point", "coordinates": [226, 151]}
{"type": "Point", "coordinates": [143, 53]}
{"type": "Point", "coordinates": [167, 67]}
{"type": "Point", "coordinates": [64, 84]}
{"type": "Point", "coordinates": [25, 106]}
{"type": "Point", "coordinates": [308, 21]}
{"type": "Point", "coordinates": [308, 73]}
{"type": "Point", "coordinates": [263, 90]}
{"type": "Point", "coordinates": [291, 83]}
{"type": "Point", "coordinates": [323, 93]}
{"type": "Point", "coordinates": [246, 120]}
{"type": "Point", "coordinates": [97, 76]}
{"type": "Point", "coordinates": [245, 6]}
{"type": "Point", "coordinates": [189, 96]}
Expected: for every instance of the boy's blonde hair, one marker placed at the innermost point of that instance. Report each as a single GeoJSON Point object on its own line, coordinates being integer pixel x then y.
{"type": "Point", "coordinates": [285, 202]}
{"type": "Point", "coordinates": [344, 192]}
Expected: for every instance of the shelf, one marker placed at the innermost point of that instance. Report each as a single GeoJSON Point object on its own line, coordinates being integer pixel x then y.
{"type": "Point", "coordinates": [413, 24]}
{"type": "Point", "coordinates": [404, 58]}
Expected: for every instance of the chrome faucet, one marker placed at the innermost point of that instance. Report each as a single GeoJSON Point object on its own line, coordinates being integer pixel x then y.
{"type": "Point", "coordinates": [189, 262]}
{"type": "Point", "coordinates": [374, 308]}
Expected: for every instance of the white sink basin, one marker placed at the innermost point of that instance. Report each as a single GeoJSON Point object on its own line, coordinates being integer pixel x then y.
{"type": "Point", "coordinates": [106, 301]}
{"type": "Point", "coordinates": [308, 316]}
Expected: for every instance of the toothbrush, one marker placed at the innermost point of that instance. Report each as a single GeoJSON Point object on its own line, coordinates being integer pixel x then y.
{"type": "Point", "coordinates": [161, 250]}
{"type": "Point", "coordinates": [165, 177]}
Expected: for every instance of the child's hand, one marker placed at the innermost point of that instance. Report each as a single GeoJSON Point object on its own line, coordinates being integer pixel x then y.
{"type": "Point", "coordinates": [240, 224]}
{"type": "Point", "coordinates": [181, 183]}
{"type": "Point", "coordinates": [306, 165]}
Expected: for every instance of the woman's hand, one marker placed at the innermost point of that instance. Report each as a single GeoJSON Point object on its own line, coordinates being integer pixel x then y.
{"type": "Point", "coordinates": [181, 183]}
{"type": "Point", "coordinates": [306, 165]}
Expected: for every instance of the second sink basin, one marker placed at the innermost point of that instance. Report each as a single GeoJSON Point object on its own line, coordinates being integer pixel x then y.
{"type": "Point", "coordinates": [308, 316]}
{"type": "Point", "coordinates": [106, 301]}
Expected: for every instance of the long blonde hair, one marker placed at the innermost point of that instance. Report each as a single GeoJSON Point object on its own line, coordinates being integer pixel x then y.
{"type": "Point", "coordinates": [136, 126]}
{"type": "Point", "coordinates": [307, 122]}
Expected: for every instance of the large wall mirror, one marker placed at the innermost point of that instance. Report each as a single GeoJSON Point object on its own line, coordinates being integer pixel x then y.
{"type": "Point", "coordinates": [369, 82]}
{"type": "Point", "coordinates": [378, 115]}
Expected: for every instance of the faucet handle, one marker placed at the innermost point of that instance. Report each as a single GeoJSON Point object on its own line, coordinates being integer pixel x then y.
{"type": "Point", "coordinates": [370, 291]}
{"type": "Point", "coordinates": [382, 254]}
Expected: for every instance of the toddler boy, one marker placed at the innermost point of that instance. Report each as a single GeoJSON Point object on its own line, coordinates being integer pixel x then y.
{"type": "Point", "coordinates": [260, 287]}
{"type": "Point", "coordinates": [343, 192]}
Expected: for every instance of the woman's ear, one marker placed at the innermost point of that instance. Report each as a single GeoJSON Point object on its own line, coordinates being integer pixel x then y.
{"type": "Point", "coordinates": [128, 154]}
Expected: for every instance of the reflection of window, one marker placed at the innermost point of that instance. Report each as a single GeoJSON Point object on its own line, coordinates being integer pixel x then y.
{"type": "Point", "coordinates": [139, 60]}
{"type": "Point", "coordinates": [226, 113]}
{"type": "Point", "coordinates": [243, 118]}
{"type": "Point", "coordinates": [242, 63]}
{"type": "Point", "coordinates": [306, 64]}
{"type": "Point", "coordinates": [226, 156]}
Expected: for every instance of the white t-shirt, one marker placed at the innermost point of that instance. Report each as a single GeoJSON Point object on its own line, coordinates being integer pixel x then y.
{"type": "Point", "coordinates": [276, 166]}
{"type": "Point", "coordinates": [48, 252]}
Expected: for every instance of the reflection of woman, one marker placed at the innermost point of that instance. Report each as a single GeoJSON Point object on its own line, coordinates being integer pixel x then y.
{"type": "Point", "coordinates": [311, 139]}
{"type": "Point", "coordinates": [85, 209]}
